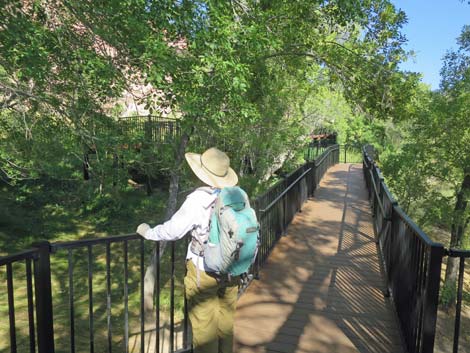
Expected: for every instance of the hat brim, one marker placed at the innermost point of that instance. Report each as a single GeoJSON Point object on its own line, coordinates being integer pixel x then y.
{"type": "Point", "coordinates": [194, 161]}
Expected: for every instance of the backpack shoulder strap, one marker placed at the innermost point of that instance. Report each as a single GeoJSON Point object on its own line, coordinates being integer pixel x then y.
{"type": "Point", "coordinates": [206, 195]}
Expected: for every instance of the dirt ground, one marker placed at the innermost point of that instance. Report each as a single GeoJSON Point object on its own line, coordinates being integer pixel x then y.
{"type": "Point", "coordinates": [446, 319]}
{"type": "Point", "coordinates": [445, 331]}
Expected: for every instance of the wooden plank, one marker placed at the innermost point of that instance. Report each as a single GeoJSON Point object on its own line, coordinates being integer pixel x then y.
{"type": "Point", "coordinates": [322, 287]}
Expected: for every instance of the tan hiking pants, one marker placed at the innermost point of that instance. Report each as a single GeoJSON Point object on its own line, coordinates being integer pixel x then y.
{"type": "Point", "coordinates": [211, 308]}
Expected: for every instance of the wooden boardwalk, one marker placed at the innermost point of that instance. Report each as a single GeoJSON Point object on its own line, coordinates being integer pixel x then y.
{"type": "Point", "coordinates": [321, 289]}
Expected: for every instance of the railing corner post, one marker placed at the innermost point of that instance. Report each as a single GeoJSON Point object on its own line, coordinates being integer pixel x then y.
{"type": "Point", "coordinates": [43, 298]}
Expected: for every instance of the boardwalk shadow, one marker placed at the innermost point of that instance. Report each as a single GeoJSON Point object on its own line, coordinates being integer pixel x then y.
{"type": "Point", "coordinates": [321, 290]}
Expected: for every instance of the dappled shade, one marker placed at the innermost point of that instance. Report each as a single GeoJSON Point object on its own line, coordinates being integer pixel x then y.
{"type": "Point", "coordinates": [322, 288]}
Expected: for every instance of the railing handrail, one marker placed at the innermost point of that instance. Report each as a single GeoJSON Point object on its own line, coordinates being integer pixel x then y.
{"type": "Point", "coordinates": [381, 177]}
{"type": "Point", "coordinates": [321, 157]}
{"type": "Point", "coordinates": [158, 117]}
{"type": "Point", "coordinates": [412, 260]}
{"type": "Point", "coordinates": [452, 252]}
{"type": "Point", "coordinates": [93, 241]}
{"type": "Point", "coordinates": [288, 200]}
{"type": "Point", "coordinates": [325, 153]}
{"type": "Point", "coordinates": [133, 236]}
{"type": "Point", "coordinates": [398, 209]}
{"type": "Point", "coordinates": [424, 237]}
{"type": "Point", "coordinates": [30, 253]}
{"type": "Point", "coordinates": [377, 194]}
{"type": "Point", "coordinates": [285, 191]}
{"type": "Point", "coordinates": [389, 194]}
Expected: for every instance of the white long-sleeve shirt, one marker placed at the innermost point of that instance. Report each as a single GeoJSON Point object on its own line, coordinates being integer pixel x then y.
{"type": "Point", "coordinates": [193, 215]}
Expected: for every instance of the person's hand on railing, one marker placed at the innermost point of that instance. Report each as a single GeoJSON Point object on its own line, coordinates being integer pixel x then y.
{"type": "Point", "coordinates": [142, 229]}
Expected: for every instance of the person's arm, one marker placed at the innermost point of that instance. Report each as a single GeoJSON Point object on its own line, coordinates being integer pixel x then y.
{"type": "Point", "coordinates": [175, 228]}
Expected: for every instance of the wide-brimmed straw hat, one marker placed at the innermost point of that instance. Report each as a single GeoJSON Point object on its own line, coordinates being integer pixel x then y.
{"type": "Point", "coordinates": [213, 168]}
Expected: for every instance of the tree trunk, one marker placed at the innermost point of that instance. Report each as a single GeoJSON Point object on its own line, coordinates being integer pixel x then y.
{"type": "Point", "coordinates": [457, 231]}
{"type": "Point", "coordinates": [150, 273]}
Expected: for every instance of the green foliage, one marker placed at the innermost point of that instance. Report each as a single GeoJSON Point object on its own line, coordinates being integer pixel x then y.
{"type": "Point", "coordinates": [427, 170]}
{"type": "Point", "coordinates": [67, 210]}
{"type": "Point", "coordinates": [253, 78]}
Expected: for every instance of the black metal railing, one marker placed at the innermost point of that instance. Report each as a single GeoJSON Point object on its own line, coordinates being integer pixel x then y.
{"type": "Point", "coordinates": [126, 275]}
{"type": "Point", "coordinates": [78, 285]}
{"type": "Point", "coordinates": [88, 295]}
{"type": "Point", "coordinates": [153, 127]}
{"type": "Point", "coordinates": [350, 154]}
{"type": "Point", "coordinates": [412, 263]}
{"type": "Point", "coordinates": [276, 207]}
{"type": "Point", "coordinates": [25, 260]}
{"type": "Point", "coordinates": [315, 149]}
{"type": "Point", "coordinates": [347, 153]}
{"type": "Point", "coordinates": [463, 256]}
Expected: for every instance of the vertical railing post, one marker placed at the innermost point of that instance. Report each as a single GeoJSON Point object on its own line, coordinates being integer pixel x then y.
{"type": "Point", "coordinates": [172, 298]}
{"type": "Point", "coordinates": [146, 146]}
{"type": "Point", "coordinates": [312, 179]}
{"type": "Point", "coordinates": [258, 255]}
{"type": "Point", "coordinates": [284, 211]}
{"type": "Point", "coordinates": [43, 298]}
{"type": "Point", "coordinates": [431, 297]}
{"type": "Point", "coordinates": [458, 307]}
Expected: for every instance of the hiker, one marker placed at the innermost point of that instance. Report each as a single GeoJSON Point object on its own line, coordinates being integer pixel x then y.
{"type": "Point", "coordinates": [211, 297]}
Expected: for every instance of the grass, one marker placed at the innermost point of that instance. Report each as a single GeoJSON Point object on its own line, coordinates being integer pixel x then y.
{"type": "Point", "coordinates": [71, 212]}
{"type": "Point", "coordinates": [42, 212]}
{"type": "Point", "coordinates": [61, 296]}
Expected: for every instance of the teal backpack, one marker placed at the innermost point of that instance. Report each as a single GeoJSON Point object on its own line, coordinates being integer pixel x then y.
{"type": "Point", "coordinates": [234, 234]}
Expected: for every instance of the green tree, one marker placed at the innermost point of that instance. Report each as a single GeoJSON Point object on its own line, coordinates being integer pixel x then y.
{"type": "Point", "coordinates": [430, 171]}
{"type": "Point", "coordinates": [237, 74]}
{"type": "Point", "coordinates": [455, 140]}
